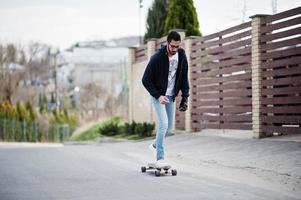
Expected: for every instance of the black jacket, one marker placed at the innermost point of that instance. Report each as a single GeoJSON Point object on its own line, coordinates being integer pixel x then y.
{"type": "Point", "coordinates": [155, 77]}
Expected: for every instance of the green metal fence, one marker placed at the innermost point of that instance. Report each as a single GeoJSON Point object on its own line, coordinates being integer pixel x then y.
{"type": "Point", "coordinates": [12, 130]}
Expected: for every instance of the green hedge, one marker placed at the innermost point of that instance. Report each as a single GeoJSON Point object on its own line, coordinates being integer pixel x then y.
{"type": "Point", "coordinates": [23, 123]}
{"type": "Point", "coordinates": [115, 127]}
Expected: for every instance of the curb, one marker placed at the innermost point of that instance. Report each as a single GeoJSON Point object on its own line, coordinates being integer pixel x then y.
{"type": "Point", "coordinates": [28, 144]}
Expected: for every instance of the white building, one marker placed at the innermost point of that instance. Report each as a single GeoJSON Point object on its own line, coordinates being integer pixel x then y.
{"type": "Point", "coordinates": [95, 72]}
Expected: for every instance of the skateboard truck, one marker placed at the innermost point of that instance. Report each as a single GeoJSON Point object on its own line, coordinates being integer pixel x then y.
{"type": "Point", "coordinates": [152, 166]}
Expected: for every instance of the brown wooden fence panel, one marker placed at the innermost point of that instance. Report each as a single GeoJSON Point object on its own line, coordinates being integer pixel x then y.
{"type": "Point", "coordinates": [141, 53]}
{"type": "Point", "coordinates": [281, 73]}
{"type": "Point", "coordinates": [282, 15]}
{"type": "Point", "coordinates": [279, 35]}
{"type": "Point", "coordinates": [221, 79]}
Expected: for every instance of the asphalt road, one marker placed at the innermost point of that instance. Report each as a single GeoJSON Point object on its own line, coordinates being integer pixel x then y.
{"type": "Point", "coordinates": [106, 171]}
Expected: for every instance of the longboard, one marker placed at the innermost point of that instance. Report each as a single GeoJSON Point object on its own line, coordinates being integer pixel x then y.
{"type": "Point", "coordinates": [153, 166]}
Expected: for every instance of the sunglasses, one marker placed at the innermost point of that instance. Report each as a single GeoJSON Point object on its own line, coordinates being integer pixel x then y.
{"type": "Point", "coordinates": [174, 46]}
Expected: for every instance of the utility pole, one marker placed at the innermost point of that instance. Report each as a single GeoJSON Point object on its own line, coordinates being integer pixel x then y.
{"type": "Point", "coordinates": [140, 7]}
{"type": "Point", "coordinates": [274, 6]}
{"type": "Point", "coordinates": [55, 82]}
{"type": "Point", "coordinates": [244, 11]}
{"type": "Point", "coordinates": [55, 63]}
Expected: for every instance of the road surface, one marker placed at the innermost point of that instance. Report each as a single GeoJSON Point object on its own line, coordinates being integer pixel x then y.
{"type": "Point", "coordinates": [112, 171]}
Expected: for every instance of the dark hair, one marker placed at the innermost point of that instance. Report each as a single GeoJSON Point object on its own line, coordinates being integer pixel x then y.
{"type": "Point", "coordinates": [173, 35]}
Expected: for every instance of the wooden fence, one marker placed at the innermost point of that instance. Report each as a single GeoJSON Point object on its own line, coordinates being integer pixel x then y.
{"type": "Point", "coordinates": [221, 79]}
{"type": "Point", "coordinates": [281, 73]}
{"type": "Point", "coordinates": [140, 53]}
{"type": "Point", "coordinates": [224, 92]}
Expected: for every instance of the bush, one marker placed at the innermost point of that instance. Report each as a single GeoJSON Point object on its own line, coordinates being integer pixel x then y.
{"type": "Point", "coordinates": [23, 123]}
{"type": "Point", "coordinates": [114, 127]}
{"type": "Point", "coordinates": [127, 128]}
{"type": "Point", "coordinates": [43, 127]}
{"type": "Point", "coordinates": [31, 111]}
{"type": "Point", "coordinates": [145, 129]}
{"type": "Point", "coordinates": [62, 124]}
{"type": "Point", "coordinates": [110, 129]}
{"type": "Point", "coordinates": [7, 110]}
{"type": "Point", "coordinates": [142, 129]}
{"type": "Point", "coordinates": [130, 128]}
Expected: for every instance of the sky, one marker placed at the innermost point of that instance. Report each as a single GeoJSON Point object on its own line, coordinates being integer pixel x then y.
{"type": "Point", "coordinates": [61, 23]}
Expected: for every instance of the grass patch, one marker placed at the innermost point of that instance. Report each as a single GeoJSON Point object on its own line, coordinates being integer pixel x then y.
{"type": "Point", "coordinates": [116, 128]}
{"type": "Point", "coordinates": [90, 134]}
{"type": "Point", "coordinates": [128, 137]}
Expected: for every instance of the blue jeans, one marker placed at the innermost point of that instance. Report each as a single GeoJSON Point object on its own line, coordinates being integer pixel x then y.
{"type": "Point", "coordinates": [164, 113]}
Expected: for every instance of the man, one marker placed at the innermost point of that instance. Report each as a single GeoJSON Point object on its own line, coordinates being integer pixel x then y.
{"type": "Point", "coordinates": [166, 74]}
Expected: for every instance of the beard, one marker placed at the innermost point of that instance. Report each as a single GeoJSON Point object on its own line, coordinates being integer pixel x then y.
{"type": "Point", "coordinates": [173, 52]}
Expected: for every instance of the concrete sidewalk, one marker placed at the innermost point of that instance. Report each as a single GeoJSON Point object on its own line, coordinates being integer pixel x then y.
{"type": "Point", "coordinates": [270, 163]}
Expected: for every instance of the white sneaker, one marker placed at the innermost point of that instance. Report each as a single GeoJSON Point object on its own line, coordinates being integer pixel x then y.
{"type": "Point", "coordinates": [153, 150]}
{"type": "Point", "coordinates": [161, 163]}
{"type": "Point", "coordinates": [169, 133]}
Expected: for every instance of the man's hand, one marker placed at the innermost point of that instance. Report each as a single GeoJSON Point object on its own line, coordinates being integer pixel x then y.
{"type": "Point", "coordinates": [163, 100]}
{"type": "Point", "coordinates": [183, 105]}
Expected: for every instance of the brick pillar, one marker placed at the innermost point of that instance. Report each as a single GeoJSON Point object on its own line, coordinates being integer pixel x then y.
{"type": "Point", "coordinates": [130, 82]}
{"type": "Point", "coordinates": [256, 76]}
{"type": "Point", "coordinates": [188, 122]}
{"type": "Point", "coordinates": [151, 48]}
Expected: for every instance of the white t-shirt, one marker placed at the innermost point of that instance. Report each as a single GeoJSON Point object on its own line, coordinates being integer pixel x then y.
{"type": "Point", "coordinates": [173, 66]}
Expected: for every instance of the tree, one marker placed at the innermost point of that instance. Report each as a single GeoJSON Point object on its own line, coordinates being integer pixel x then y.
{"type": "Point", "coordinates": [31, 111]}
{"type": "Point", "coordinates": [182, 15]}
{"type": "Point", "coordinates": [22, 112]}
{"type": "Point", "coordinates": [11, 52]}
{"type": "Point", "coordinates": [155, 19]}
{"type": "Point", "coordinates": [19, 63]}
{"type": "Point", "coordinates": [7, 110]}
{"type": "Point", "coordinates": [9, 74]}
{"type": "Point", "coordinates": [91, 96]}
{"type": "Point", "coordinates": [43, 103]}
{"type": "Point", "coordinates": [37, 58]}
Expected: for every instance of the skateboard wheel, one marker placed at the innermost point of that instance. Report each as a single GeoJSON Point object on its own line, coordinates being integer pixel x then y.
{"type": "Point", "coordinates": [143, 169]}
{"type": "Point", "coordinates": [174, 172]}
{"type": "Point", "coordinates": [157, 173]}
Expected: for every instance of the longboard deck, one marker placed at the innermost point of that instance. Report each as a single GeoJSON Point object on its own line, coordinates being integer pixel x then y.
{"type": "Point", "coordinates": [154, 166]}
